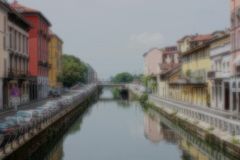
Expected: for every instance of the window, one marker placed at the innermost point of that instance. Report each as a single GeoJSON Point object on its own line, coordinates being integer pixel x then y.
{"type": "Point", "coordinates": [224, 66]}
{"type": "Point", "coordinates": [228, 66]}
{"type": "Point", "coordinates": [234, 85]}
{"type": "Point", "coordinates": [5, 67]}
{"type": "Point", "coordinates": [4, 42]}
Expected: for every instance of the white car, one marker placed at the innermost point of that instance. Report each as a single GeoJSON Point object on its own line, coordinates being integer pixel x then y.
{"type": "Point", "coordinates": [29, 116]}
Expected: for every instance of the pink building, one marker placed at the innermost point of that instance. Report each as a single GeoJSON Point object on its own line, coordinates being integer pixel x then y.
{"type": "Point", "coordinates": [152, 60]}
{"type": "Point", "coordinates": [234, 86]}
{"type": "Point", "coordinates": [235, 34]}
{"type": "Point", "coordinates": [157, 61]}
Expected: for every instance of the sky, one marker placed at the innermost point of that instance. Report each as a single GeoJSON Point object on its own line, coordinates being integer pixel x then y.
{"type": "Point", "coordinates": [112, 35]}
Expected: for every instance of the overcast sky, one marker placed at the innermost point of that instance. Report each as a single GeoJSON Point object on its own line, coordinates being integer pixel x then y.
{"type": "Point", "coordinates": [112, 35]}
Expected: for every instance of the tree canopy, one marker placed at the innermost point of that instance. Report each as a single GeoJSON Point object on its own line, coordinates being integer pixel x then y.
{"type": "Point", "coordinates": [73, 71]}
{"type": "Point", "coordinates": [123, 77]}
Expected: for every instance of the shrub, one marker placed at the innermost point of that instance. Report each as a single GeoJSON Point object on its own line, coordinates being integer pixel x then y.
{"type": "Point", "coordinates": [144, 98]}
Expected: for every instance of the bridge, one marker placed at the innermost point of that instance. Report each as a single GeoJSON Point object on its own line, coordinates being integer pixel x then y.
{"type": "Point", "coordinates": [111, 84]}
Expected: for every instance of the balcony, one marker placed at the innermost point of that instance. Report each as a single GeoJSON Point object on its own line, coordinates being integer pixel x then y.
{"type": "Point", "coordinates": [44, 64]}
{"type": "Point", "coordinates": [218, 75]}
{"type": "Point", "coordinates": [16, 74]}
{"type": "Point", "coordinates": [196, 80]}
{"type": "Point", "coordinates": [166, 66]}
{"type": "Point", "coordinates": [220, 50]}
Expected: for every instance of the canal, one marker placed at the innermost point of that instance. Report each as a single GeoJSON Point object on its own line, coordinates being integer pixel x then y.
{"type": "Point", "coordinates": [124, 130]}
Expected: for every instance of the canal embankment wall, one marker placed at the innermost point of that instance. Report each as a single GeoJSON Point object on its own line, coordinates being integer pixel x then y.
{"type": "Point", "coordinates": [219, 132]}
{"type": "Point", "coordinates": [51, 129]}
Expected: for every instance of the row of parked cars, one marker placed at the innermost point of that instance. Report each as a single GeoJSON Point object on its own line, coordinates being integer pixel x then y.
{"type": "Point", "coordinates": [16, 125]}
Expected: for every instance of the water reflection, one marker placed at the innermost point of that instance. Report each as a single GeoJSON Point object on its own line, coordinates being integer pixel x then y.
{"type": "Point", "coordinates": [56, 153]}
{"type": "Point", "coordinates": [157, 128]}
{"type": "Point", "coordinates": [122, 130]}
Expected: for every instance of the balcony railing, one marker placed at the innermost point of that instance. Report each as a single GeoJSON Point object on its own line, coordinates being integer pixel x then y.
{"type": "Point", "coordinates": [218, 74]}
{"type": "Point", "coordinates": [166, 66]}
{"type": "Point", "coordinates": [14, 73]}
{"type": "Point", "coordinates": [220, 50]}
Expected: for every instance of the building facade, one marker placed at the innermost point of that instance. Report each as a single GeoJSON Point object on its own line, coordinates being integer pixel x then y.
{"type": "Point", "coordinates": [15, 60]}
{"type": "Point", "coordinates": [91, 74]}
{"type": "Point", "coordinates": [38, 49]}
{"type": "Point", "coordinates": [157, 62]}
{"type": "Point", "coordinates": [189, 83]}
{"type": "Point", "coordinates": [234, 85]}
{"type": "Point", "coordinates": [220, 74]}
{"type": "Point", "coordinates": [55, 46]}
{"type": "Point", "coordinates": [152, 60]}
{"type": "Point", "coordinates": [3, 48]}
{"type": "Point", "coordinates": [195, 66]}
{"type": "Point", "coordinates": [170, 60]}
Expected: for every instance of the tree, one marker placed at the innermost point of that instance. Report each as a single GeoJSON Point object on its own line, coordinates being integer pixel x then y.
{"type": "Point", "coordinates": [123, 77]}
{"type": "Point", "coordinates": [73, 71]}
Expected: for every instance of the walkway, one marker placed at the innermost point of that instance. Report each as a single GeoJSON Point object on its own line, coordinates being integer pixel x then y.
{"type": "Point", "coordinates": [202, 109]}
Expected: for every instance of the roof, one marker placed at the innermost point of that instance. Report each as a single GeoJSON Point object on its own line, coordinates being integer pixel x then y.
{"type": "Point", "coordinates": [226, 35]}
{"type": "Point", "coordinates": [171, 71]}
{"type": "Point", "coordinates": [205, 37]}
{"type": "Point", "coordinates": [51, 33]}
{"type": "Point", "coordinates": [26, 10]}
{"type": "Point", "coordinates": [194, 50]}
{"type": "Point", "coordinates": [13, 13]}
{"type": "Point", "coordinates": [197, 37]}
{"type": "Point", "coordinates": [145, 54]}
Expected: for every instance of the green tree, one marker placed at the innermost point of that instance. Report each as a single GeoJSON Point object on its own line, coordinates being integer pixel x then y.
{"type": "Point", "coordinates": [73, 71]}
{"type": "Point", "coordinates": [123, 77]}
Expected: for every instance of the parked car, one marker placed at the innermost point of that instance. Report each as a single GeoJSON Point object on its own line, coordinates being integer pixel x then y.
{"type": "Point", "coordinates": [7, 128]}
{"type": "Point", "coordinates": [18, 123]}
{"type": "Point", "coordinates": [28, 116]}
{"type": "Point", "coordinates": [52, 107]}
{"type": "Point", "coordinates": [54, 94]}
{"type": "Point", "coordinates": [7, 133]}
{"type": "Point", "coordinates": [43, 112]}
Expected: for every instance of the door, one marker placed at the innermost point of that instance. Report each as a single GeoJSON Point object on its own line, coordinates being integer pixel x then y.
{"type": "Point", "coordinates": [226, 96]}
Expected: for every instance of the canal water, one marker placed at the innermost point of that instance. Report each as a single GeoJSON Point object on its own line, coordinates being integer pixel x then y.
{"type": "Point", "coordinates": [124, 130]}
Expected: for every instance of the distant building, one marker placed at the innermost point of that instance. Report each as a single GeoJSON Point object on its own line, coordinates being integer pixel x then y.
{"type": "Point", "coordinates": [160, 61]}
{"type": "Point", "coordinates": [91, 74]}
{"type": "Point", "coordinates": [152, 60]}
{"type": "Point", "coordinates": [38, 50]}
{"type": "Point", "coordinates": [55, 46]}
{"type": "Point", "coordinates": [15, 58]}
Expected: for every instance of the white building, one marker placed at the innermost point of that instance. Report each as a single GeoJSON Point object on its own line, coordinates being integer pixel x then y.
{"type": "Point", "coordinates": [220, 75]}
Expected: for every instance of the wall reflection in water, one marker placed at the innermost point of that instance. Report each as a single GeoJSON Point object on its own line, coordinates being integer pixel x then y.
{"type": "Point", "coordinates": [157, 128]}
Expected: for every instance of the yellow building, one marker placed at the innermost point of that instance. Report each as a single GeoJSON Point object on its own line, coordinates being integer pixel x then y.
{"type": "Point", "coordinates": [196, 64]}
{"type": "Point", "coordinates": [55, 61]}
{"type": "Point", "coordinates": [192, 85]}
